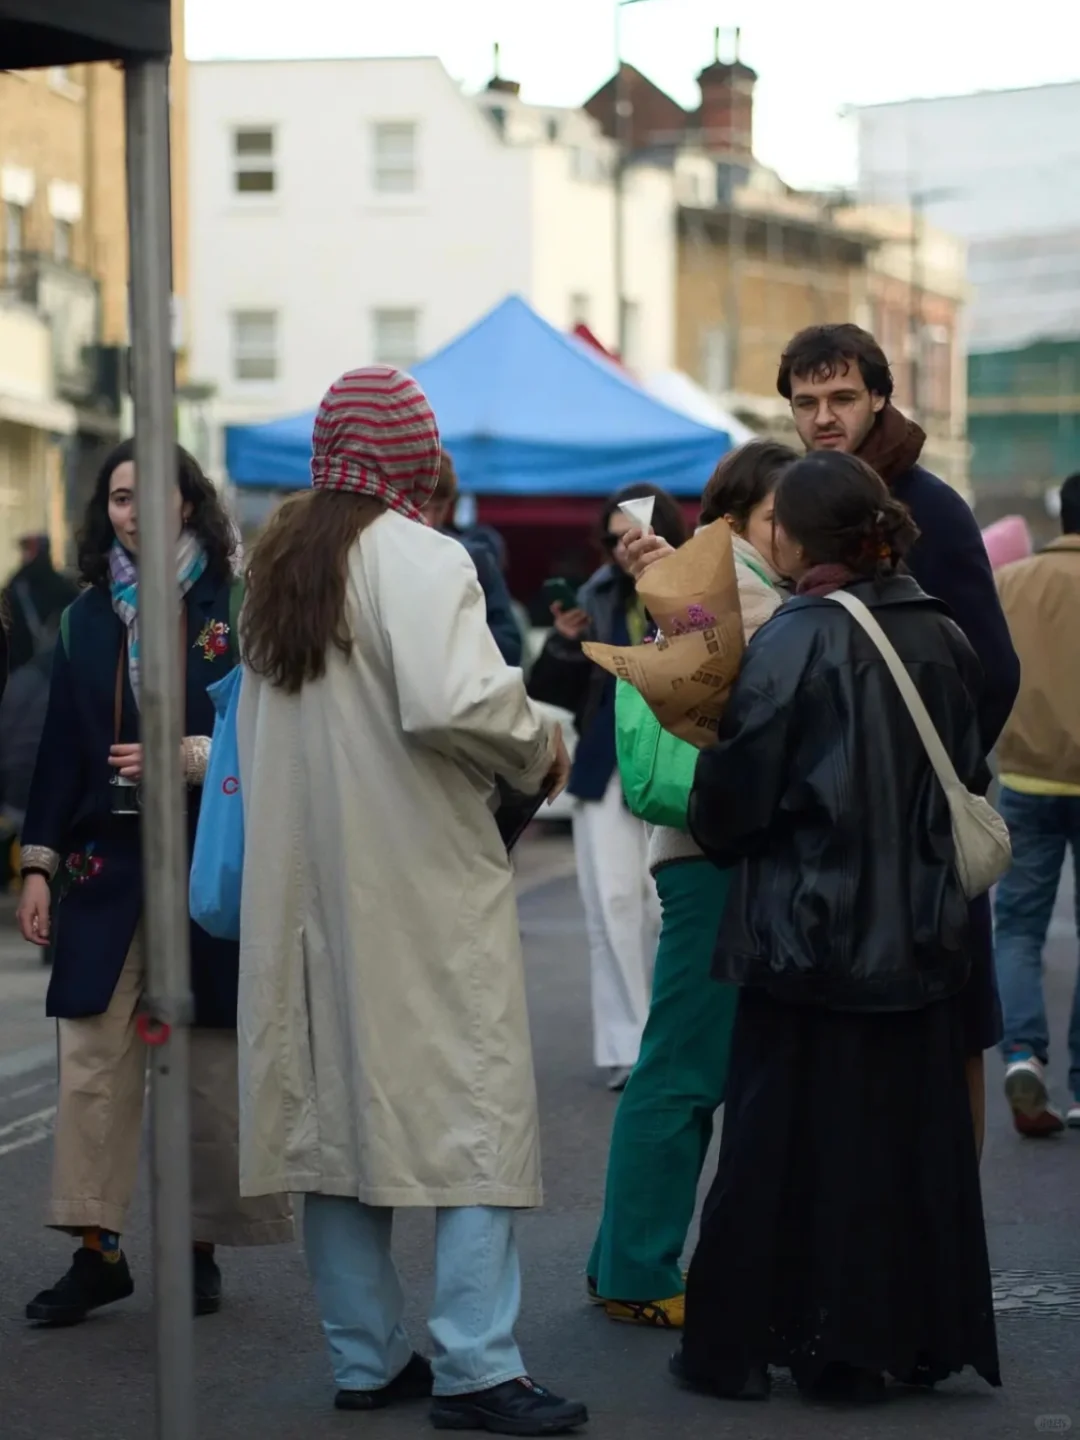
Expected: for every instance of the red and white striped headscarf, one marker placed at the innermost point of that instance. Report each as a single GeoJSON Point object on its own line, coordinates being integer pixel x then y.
{"type": "Point", "coordinates": [375, 434]}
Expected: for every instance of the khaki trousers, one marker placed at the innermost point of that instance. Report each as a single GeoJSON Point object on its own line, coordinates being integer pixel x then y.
{"type": "Point", "coordinates": [103, 1066]}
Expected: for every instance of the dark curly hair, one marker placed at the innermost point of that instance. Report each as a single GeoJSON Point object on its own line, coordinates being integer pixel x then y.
{"type": "Point", "coordinates": [841, 513]}
{"type": "Point", "coordinates": [208, 519]}
{"type": "Point", "coordinates": [821, 351]}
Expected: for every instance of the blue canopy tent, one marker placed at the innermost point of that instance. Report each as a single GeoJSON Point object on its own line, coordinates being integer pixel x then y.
{"type": "Point", "coordinates": [525, 411]}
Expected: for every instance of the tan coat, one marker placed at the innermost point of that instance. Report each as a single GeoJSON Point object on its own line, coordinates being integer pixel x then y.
{"type": "Point", "coordinates": [384, 1040]}
{"type": "Point", "coordinates": [1041, 600]}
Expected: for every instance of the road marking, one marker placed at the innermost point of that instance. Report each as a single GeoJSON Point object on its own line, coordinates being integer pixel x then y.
{"type": "Point", "coordinates": [12, 1067]}
{"type": "Point", "coordinates": [38, 1126]}
{"type": "Point", "coordinates": [27, 1090]}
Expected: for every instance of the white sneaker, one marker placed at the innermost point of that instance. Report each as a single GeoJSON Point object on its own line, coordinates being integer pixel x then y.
{"type": "Point", "coordinates": [1072, 1115]}
{"type": "Point", "coordinates": [1029, 1099]}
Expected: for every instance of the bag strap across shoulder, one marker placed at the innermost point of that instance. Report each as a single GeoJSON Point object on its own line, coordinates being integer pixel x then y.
{"type": "Point", "coordinates": [935, 750]}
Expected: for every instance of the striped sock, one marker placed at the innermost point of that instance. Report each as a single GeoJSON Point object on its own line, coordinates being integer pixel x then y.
{"type": "Point", "coordinates": [105, 1242]}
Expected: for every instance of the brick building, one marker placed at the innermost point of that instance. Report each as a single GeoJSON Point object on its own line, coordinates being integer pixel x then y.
{"type": "Point", "coordinates": [653, 122]}
{"type": "Point", "coordinates": [64, 284]}
{"type": "Point", "coordinates": [758, 261]}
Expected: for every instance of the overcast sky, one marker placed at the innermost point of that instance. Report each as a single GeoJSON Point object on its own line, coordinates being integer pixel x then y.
{"type": "Point", "coordinates": [813, 58]}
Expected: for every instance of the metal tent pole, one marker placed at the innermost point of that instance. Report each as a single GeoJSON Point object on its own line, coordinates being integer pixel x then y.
{"type": "Point", "coordinates": [619, 197]}
{"type": "Point", "coordinates": [165, 860]}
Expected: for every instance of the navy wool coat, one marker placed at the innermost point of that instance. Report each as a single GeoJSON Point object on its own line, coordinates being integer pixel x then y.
{"type": "Point", "coordinates": [100, 880]}
{"type": "Point", "coordinates": [949, 561]}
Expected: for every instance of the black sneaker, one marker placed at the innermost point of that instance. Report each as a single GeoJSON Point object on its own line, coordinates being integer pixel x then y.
{"type": "Point", "coordinates": [207, 1283]}
{"type": "Point", "coordinates": [91, 1283]}
{"type": "Point", "coordinates": [519, 1407]}
{"type": "Point", "coordinates": [412, 1383]}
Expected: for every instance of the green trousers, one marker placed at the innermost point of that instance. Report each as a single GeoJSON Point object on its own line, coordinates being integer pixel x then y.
{"type": "Point", "coordinates": [664, 1122]}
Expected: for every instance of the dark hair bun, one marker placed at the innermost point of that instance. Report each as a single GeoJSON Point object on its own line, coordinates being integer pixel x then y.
{"type": "Point", "coordinates": [840, 512]}
{"type": "Point", "coordinates": [896, 529]}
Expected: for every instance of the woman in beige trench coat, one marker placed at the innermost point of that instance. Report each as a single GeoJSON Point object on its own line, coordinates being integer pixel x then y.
{"type": "Point", "coordinates": [384, 1040]}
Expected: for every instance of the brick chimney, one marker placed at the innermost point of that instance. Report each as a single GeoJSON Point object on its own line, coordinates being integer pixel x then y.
{"type": "Point", "coordinates": [726, 117]}
{"type": "Point", "coordinates": [499, 85]}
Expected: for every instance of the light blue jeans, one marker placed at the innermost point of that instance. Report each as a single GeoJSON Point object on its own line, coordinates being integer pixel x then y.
{"type": "Point", "coordinates": [1042, 827]}
{"type": "Point", "coordinates": [361, 1304]}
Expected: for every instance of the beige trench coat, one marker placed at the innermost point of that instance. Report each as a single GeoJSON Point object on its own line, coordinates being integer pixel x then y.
{"type": "Point", "coordinates": [384, 1040]}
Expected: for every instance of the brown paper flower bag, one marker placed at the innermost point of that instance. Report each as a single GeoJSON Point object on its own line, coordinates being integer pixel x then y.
{"type": "Point", "coordinates": [686, 675]}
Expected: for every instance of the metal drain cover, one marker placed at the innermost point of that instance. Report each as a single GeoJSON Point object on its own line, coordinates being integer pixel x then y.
{"type": "Point", "coordinates": [1025, 1293]}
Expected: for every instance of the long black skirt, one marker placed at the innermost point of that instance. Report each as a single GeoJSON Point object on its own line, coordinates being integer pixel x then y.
{"type": "Point", "coordinates": [845, 1224]}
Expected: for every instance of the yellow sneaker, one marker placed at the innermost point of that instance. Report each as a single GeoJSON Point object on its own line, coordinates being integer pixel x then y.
{"type": "Point", "coordinates": [659, 1314]}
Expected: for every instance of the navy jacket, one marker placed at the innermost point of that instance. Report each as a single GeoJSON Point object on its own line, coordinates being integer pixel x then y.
{"type": "Point", "coordinates": [500, 612]}
{"type": "Point", "coordinates": [950, 562]}
{"type": "Point", "coordinates": [100, 877]}
{"type": "Point", "coordinates": [564, 676]}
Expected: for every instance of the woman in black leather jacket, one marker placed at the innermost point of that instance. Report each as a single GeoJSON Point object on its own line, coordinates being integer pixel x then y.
{"type": "Point", "coordinates": [844, 1236]}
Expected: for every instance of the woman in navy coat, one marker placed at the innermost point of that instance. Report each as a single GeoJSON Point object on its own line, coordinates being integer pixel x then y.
{"type": "Point", "coordinates": [81, 837]}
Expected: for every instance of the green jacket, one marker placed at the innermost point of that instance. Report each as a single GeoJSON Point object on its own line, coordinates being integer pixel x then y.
{"type": "Point", "coordinates": [656, 768]}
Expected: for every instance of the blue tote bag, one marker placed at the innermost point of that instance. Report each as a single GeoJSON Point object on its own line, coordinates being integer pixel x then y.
{"type": "Point", "coordinates": [217, 867]}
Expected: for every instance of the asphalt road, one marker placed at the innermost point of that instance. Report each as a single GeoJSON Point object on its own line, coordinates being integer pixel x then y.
{"type": "Point", "coordinates": [262, 1369]}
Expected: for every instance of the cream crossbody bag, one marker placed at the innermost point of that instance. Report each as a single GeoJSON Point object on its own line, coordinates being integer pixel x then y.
{"type": "Point", "coordinates": [981, 837]}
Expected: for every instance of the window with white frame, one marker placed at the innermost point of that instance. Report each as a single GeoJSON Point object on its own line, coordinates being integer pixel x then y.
{"type": "Point", "coordinates": [14, 240]}
{"type": "Point", "coordinates": [63, 236]}
{"type": "Point", "coordinates": [580, 309]}
{"type": "Point", "coordinates": [253, 153]}
{"type": "Point", "coordinates": [716, 359]}
{"type": "Point", "coordinates": [395, 337]}
{"type": "Point", "coordinates": [394, 145]}
{"type": "Point", "coordinates": [62, 80]}
{"type": "Point", "coordinates": [255, 345]}
{"type": "Point", "coordinates": [631, 312]}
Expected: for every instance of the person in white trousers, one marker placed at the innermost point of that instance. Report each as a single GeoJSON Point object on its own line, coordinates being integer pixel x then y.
{"type": "Point", "coordinates": [622, 912]}
{"type": "Point", "coordinates": [622, 920]}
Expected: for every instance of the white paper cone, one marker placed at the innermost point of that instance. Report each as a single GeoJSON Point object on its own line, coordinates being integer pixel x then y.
{"type": "Point", "coordinates": [639, 511]}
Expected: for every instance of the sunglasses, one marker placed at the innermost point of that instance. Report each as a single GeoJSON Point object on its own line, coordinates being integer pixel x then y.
{"type": "Point", "coordinates": [610, 542]}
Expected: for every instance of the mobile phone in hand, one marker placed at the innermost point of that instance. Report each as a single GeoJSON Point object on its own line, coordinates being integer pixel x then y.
{"type": "Point", "coordinates": [517, 812]}
{"type": "Point", "coordinates": [560, 592]}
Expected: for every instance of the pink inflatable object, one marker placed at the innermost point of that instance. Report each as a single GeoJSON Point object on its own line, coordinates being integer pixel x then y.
{"type": "Point", "coordinates": [1007, 540]}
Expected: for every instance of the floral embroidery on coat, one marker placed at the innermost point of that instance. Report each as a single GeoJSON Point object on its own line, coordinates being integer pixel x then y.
{"type": "Point", "coordinates": [213, 639]}
{"type": "Point", "coordinates": [83, 866]}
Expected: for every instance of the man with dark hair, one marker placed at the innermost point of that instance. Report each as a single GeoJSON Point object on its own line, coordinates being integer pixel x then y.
{"type": "Point", "coordinates": [439, 514]}
{"type": "Point", "coordinates": [838, 382]}
{"type": "Point", "coordinates": [1039, 755]}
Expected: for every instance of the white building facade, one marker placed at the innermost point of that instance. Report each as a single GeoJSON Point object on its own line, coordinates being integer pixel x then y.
{"type": "Point", "coordinates": [349, 212]}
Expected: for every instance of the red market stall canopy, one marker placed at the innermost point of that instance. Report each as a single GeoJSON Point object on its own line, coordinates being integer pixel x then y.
{"type": "Point", "coordinates": [586, 336]}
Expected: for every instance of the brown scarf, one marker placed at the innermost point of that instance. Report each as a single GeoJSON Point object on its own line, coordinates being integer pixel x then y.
{"type": "Point", "coordinates": [893, 445]}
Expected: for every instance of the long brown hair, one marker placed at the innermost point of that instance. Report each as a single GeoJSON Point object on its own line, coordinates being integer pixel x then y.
{"type": "Point", "coordinates": [294, 603]}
